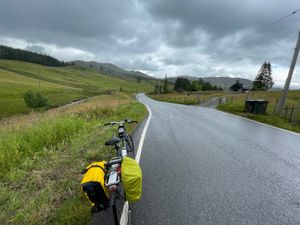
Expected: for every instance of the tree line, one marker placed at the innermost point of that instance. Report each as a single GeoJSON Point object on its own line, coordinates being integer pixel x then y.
{"type": "Point", "coordinates": [263, 80]}
{"type": "Point", "coordinates": [28, 56]}
{"type": "Point", "coordinates": [183, 84]}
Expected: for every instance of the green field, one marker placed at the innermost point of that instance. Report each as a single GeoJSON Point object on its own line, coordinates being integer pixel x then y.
{"type": "Point", "coordinates": [60, 85]}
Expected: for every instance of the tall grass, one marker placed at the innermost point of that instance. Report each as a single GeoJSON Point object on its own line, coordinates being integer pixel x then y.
{"type": "Point", "coordinates": [15, 147]}
{"type": "Point", "coordinates": [42, 155]}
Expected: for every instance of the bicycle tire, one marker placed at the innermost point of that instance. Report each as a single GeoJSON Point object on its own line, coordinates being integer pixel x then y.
{"type": "Point", "coordinates": [112, 214]}
{"type": "Point", "coordinates": [103, 217]}
{"type": "Point", "coordinates": [115, 209]}
{"type": "Point", "coordinates": [130, 144]}
{"type": "Point", "coordinates": [118, 203]}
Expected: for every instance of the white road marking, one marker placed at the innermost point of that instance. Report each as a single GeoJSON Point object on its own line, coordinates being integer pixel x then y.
{"type": "Point", "coordinates": [124, 216]}
{"type": "Point", "coordinates": [139, 150]}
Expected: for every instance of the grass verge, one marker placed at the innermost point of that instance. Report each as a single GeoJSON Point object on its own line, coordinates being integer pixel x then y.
{"type": "Point", "coordinates": [42, 155]}
{"type": "Point", "coordinates": [236, 105]}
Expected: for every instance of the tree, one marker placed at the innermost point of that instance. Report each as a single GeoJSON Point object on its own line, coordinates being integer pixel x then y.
{"type": "Point", "coordinates": [138, 79]}
{"type": "Point", "coordinates": [207, 87]}
{"type": "Point", "coordinates": [35, 99]}
{"type": "Point", "coordinates": [156, 89]}
{"type": "Point", "coordinates": [182, 84]}
{"type": "Point", "coordinates": [166, 85]}
{"type": "Point", "coordinates": [236, 86]}
{"type": "Point", "coordinates": [263, 80]}
{"type": "Point", "coordinates": [204, 86]}
{"type": "Point", "coordinates": [197, 85]}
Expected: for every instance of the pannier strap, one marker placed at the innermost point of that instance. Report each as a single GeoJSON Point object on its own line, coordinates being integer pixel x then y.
{"type": "Point", "coordinates": [86, 169]}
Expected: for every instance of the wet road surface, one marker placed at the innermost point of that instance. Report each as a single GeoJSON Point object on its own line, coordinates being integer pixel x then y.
{"type": "Point", "coordinates": [203, 166]}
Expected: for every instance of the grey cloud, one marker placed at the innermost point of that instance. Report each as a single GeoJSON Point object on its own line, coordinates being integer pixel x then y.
{"type": "Point", "coordinates": [35, 48]}
{"type": "Point", "coordinates": [169, 36]}
{"type": "Point", "coordinates": [145, 64]}
{"type": "Point", "coordinates": [174, 61]}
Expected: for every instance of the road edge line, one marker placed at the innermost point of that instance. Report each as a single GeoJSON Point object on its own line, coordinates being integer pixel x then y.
{"type": "Point", "coordinates": [124, 216]}
{"type": "Point", "coordinates": [125, 211]}
{"type": "Point", "coordinates": [143, 135]}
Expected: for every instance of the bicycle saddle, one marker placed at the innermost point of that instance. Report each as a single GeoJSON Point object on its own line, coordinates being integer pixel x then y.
{"type": "Point", "coordinates": [113, 141]}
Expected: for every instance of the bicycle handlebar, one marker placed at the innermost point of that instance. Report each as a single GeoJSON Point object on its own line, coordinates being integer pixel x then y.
{"type": "Point", "coordinates": [121, 122]}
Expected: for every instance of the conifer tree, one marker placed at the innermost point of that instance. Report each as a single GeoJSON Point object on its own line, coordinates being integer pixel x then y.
{"type": "Point", "coordinates": [263, 80]}
{"type": "Point", "coordinates": [166, 85]}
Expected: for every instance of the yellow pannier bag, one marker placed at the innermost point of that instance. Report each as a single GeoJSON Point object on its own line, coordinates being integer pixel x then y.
{"type": "Point", "coordinates": [131, 179]}
{"type": "Point", "coordinates": [93, 184]}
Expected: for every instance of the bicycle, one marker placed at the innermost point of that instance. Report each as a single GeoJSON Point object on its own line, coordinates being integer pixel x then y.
{"type": "Point", "coordinates": [123, 144]}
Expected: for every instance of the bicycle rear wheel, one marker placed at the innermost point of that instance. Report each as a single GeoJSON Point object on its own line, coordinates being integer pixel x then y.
{"type": "Point", "coordinates": [112, 214]}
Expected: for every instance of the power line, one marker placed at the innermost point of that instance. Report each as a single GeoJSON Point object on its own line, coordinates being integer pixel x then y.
{"type": "Point", "coordinates": [255, 32]}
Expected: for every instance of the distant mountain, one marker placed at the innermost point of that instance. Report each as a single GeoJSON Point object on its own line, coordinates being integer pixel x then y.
{"type": "Point", "coordinates": [113, 70]}
{"type": "Point", "coordinates": [224, 82]}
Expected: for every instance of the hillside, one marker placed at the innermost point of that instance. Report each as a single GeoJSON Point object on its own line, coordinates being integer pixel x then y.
{"type": "Point", "coordinates": [28, 56]}
{"type": "Point", "coordinates": [59, 84]}
{"type": "Point", "coordinates": [224, 82]}
{"type": "Point", "coordinates": [113, 70]}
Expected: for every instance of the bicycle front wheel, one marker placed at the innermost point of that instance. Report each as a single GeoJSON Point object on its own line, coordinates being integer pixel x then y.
{"type": "Point", "coordinates": [130, 144]}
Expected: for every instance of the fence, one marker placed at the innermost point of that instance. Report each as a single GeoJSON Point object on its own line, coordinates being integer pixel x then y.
{"type": "Point", "coordinates": [291, 113]}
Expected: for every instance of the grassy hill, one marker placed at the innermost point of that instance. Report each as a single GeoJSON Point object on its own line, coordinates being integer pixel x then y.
{"type": "Point", "coordinates": [113, 70]}
{"type": "Point", "coordinates": [59, 84]}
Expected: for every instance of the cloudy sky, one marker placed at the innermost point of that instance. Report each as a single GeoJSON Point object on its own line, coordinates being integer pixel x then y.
{"type": "Point", "coordinates": [159, 37]}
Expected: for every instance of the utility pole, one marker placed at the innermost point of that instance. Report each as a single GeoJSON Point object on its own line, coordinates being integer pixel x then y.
{"type": "Point", "coordinates": [280, 104]}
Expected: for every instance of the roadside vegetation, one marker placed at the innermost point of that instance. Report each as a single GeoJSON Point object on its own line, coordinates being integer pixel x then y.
{"type": "Point", "coordinates": [236, 105]}
{"type": "Point", "coordinates": [185, 92]}
{"type": "Point", "coordinates": [60, 85]}
{"type": "Point", "coordinates": [187, 98]}
{"type": "Point", "coordinates": [42, 154]}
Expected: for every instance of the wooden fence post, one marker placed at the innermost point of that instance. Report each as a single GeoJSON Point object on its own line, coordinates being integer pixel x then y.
{"type": "Point", "coordinates": [198, 98]}
{"type": "Point", "coordinates": [276, 101]}
{"type": "Point", "coordinates": [286, 111]}
{"type": "Point", "coordinates": [292, 114]}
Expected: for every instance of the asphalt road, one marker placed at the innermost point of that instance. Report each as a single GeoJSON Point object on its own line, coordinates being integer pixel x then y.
{"type": "Point", "coordinates": [203, 166]}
